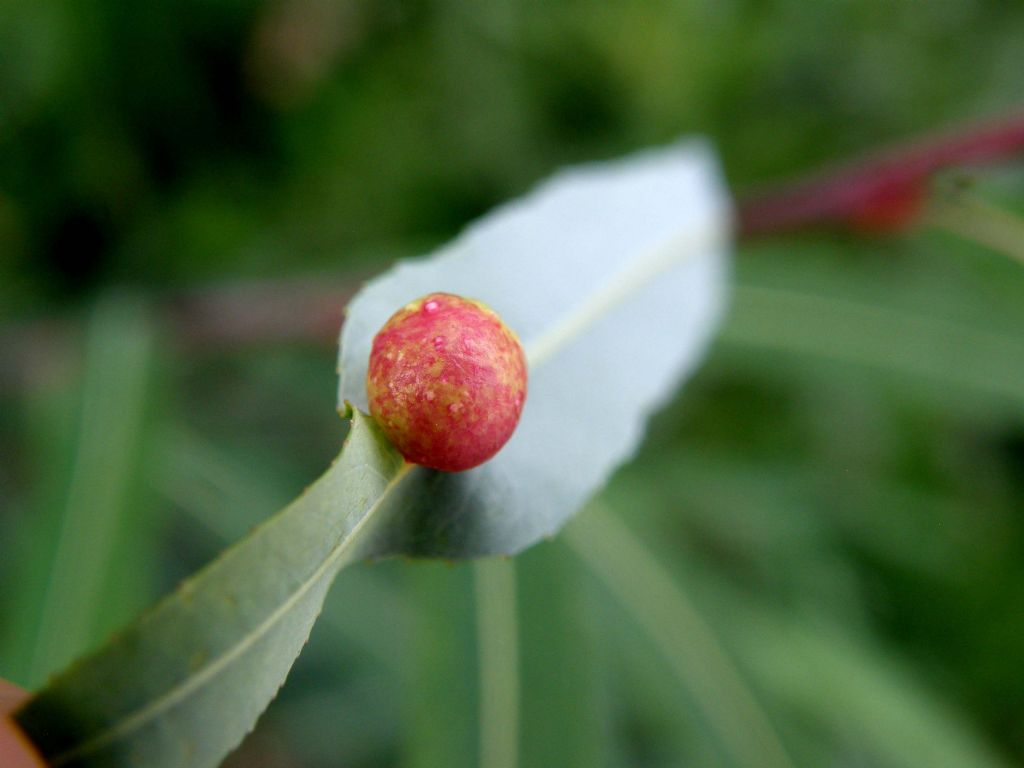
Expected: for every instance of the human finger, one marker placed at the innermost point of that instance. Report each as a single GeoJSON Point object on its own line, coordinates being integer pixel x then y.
{"type": "Point", "coordinates": [15, 750]}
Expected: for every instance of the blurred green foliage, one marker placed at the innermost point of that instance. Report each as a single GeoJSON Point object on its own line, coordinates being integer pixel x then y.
{"type": "Point", "coordinates": [838, 495]}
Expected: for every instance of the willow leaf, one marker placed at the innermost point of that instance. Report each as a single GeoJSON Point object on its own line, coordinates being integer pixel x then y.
{"type": "Point", "coordinates": [184, 684]}
{"type": "Point", "coordinates": [612, 274]}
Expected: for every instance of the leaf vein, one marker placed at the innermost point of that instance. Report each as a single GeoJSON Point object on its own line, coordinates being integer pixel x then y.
{"type": "Point", "coordinates": [208, 672]}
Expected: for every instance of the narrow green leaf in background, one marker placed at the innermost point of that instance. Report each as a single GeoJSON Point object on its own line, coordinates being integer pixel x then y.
{"type": "Point", "coordinates": [862, 333]}
{"type": "Point", "coordinates": [86, 560]}
{"type": "Point", "coordinates": [681, 635]}
{"type": "Point", "coordinates": [874, 704]}
{"type": "Point", "coordinates": [118, 347]}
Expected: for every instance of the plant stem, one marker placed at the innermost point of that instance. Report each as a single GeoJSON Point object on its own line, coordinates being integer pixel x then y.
{"type": "Point", "coordinates": [311, 311]}
{"type": "Point", "coordinates": [497, 638]}
{"type": "Point", "coordinates": [838, 195]}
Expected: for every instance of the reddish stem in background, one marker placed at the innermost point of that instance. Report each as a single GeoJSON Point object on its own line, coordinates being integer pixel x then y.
{"type": "Point", "coordinates": [881, 192]}
{"type": "Point", "coordinates": [878, 194]}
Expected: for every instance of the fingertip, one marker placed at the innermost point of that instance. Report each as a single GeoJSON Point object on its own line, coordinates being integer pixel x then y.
{"type": "Point", "coordinates": [15, 749]}
{"type": "Point", "coordinates": [10, 696]}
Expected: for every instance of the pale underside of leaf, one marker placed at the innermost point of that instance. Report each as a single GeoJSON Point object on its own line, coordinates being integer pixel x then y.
{"type": "Point", "coordinates": [614, 278]}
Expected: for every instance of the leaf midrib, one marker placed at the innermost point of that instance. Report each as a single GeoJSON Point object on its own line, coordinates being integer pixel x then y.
{"type": "Point", "coordinates": [168, 700]}
{"type": "Point", "coordinates": [651, 264]}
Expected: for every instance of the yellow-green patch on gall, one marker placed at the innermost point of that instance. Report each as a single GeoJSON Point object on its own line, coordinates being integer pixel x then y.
{"type": "Point", "coordinates": [446, 382]}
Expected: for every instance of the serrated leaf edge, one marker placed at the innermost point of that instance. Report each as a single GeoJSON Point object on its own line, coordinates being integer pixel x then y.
{"type": "Point", "coordinates": [210, 670]}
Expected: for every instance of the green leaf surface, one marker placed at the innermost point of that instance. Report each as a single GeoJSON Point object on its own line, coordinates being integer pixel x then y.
{"type": "Point", "coordinates": [182, 686]}
{"type": "Point", "coordinates": [613, 275]}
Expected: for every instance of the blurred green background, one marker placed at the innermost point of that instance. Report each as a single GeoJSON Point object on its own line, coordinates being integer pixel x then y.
{"type": "Point", "coordinates": [823, 538]}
